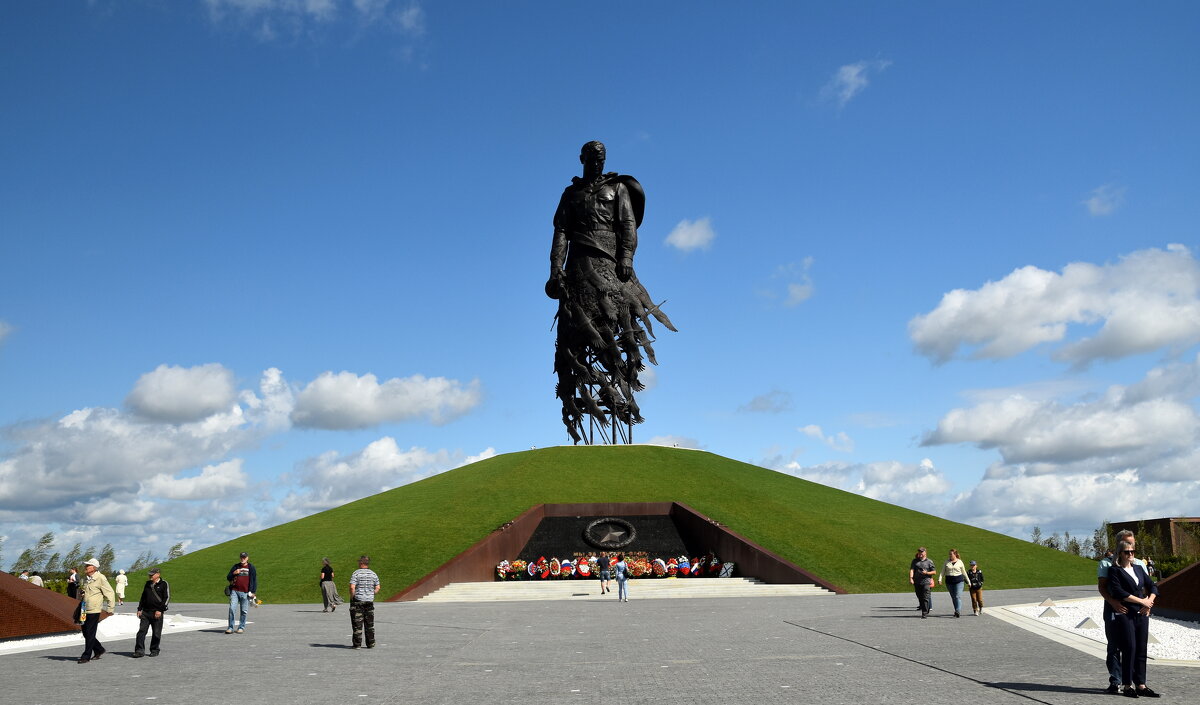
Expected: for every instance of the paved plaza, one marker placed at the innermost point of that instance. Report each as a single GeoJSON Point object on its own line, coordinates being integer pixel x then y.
{"type": "Point", "coordinates": [835, 649]}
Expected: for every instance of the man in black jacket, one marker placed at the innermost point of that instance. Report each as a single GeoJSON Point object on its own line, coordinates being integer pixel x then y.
{"type": "Point", "coordinates": [156, 596]}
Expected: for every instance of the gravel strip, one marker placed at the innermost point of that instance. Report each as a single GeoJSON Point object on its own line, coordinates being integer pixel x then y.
{"type": "Point", "coordinates": [1178, 640]}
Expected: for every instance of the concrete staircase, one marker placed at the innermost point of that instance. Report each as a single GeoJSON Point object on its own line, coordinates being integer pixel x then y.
{"type": "Point", "coordinates": [639, 589]}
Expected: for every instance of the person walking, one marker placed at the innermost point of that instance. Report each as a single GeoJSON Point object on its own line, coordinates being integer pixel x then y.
{"type": "Point", "coordinates": [243, 583]}
{"type": "Point", "coordinates": [329, 593]}
{"type": "Point", "coordinates": [73, 584]}
{"type": "Point", "coordinates": [364, 584]}
{"type": "Point", "coordinates": [36, 579]}
{"type": "Point", "coordinates": [97, 596]}
{"type": "Point", "coordinates": [622, 572]}
{"type": "Point", "coordinates": [156, 597]}
{"type": "Point", "coordinates": [121, 583]}
{"type": "Point", "coordinates": [1129, 583]}
{"type": "Point", "coordinates": [921, 573]}
{"type": "Point", "coordinates": [954, 575]}
{"type": "Point", "coordinates": [604, 563]}
{"type": "Point", "coordinates": [975, 583]}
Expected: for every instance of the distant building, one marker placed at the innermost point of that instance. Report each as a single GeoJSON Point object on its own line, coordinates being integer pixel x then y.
{"type": "Point", "coordinates": [1178, 534]}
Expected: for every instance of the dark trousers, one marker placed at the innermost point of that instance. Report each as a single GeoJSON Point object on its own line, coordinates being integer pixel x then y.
{"type": "Point", "coordinates": [1112, 659]}
{"type": "Point", "coordinates": [924, 598]}
{"type": "Point", "coordinates": [154, 625]}
{"type": "Point", "coordinates": [91, 645]}
{"type": "Point", "coordinates": [1133, 630]}
{"type": "Point", "coordinates": [362, 619]}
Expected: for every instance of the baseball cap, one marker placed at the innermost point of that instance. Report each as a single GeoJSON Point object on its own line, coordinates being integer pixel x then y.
{"type": "Point", "coordinates": [972, 562]}
{"type": "Point", "coordinates": [244, 554]}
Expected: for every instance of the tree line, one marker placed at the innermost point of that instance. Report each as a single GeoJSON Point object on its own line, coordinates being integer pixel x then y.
{"type": "Point", "coordinates": [52, 565]}
{"type": "Point", "coordinates": [1150, 545]}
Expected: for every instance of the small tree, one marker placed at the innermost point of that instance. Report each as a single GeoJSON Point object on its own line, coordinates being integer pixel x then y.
{"type": "Point", "coordinates": [23, 561]}
{"type": "Point", "coordinates": [1073, 546]}
{"type": "Point", "coordinates": [1100, 540]}
{"type": "Point", "coordinates": [74, 557]}
{"type": "Point", "coordinates": [1055, 541]}
{"type": "Point", "coordinates": [107, 556]}
{"type": "Point", "coordinates": [42, 551]}
{"type": "Point", "coordinates": [1036, 536]}
{"type": "Point", "coordinates": [53, 563]}
{"type": "Point", "coordinates": [144, 560]}
{"type": "Point", "coordinates": [175, 551]}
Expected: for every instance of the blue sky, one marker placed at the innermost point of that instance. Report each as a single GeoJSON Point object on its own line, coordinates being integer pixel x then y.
{"type": "Point", "coordinates": [262, 257]}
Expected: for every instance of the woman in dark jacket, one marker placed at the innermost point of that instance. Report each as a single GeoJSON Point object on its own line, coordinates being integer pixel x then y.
{"type": "Point", "coordinates": [1129, 584]}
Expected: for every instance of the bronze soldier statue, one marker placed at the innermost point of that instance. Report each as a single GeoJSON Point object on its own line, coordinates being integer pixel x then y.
{"type": "Point", "coordinates": [603, 310]}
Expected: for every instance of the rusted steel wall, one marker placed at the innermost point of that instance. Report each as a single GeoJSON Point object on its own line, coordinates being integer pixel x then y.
{"type": "Point", "coordinates": [478, 563]}
{"type": "Point", "coordinates": [600, 509]}
{"type": "Point", "coordinates": [1179, 595]}
{"type": "Point", "coordinates": [30, 610]}
{"type": "Point", "coordinates": [751, 559]}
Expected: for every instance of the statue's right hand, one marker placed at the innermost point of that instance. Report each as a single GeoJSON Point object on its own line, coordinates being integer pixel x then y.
{"type": "Point", "coordinates": [554, 287]}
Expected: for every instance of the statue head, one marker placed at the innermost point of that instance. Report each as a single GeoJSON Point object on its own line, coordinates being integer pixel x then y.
{"type": "Point", "coordinates": [591, 155]}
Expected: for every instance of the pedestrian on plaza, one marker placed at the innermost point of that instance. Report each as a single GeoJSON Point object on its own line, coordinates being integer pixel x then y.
{"type": "Point", "coordinates": [921, 573]}
{"type": "Point", "coordinates": [73, 584]}
{"type": "Point", "coordinates": [364, 584]}
{"type": "Point", "coordinates": [243, 583]}
{"type": "Point", "coordinates": [1112, 660]}
{"type": "Point", "coordinates": [622, 573]}
{"type": "Point", "coordinates": [98, 596]}
{"type": "Point", "coordinates": [156, 597]}
{"type": "Point", "coordinates": [24, 575]}
{"type": "Point", "coordinates": [35, 578]}
{"type": "Point", "coordinates": [329, 593]}
{"type": "Point", "coordinates": [1129, 584]}
{"type": "Point", "coordinates": [604, 563]}
{"type": "Point", "coordinates": [121, 583]}
{"type": "Point", "coordinates": [954, 575]}
{"type": "Point", "coordinates": [975, 583]}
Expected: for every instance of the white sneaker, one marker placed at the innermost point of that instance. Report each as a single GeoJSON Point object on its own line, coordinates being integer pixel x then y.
{"type": "Point", "coordinates": [240, 630]}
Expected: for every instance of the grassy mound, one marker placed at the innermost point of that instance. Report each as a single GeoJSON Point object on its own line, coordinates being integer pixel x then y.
{"type": "Point", "coordinates": [860, 544]}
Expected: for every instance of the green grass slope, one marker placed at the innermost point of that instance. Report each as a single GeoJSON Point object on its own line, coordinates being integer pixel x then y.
{"type": "Point", "coordinates": [860, 544]}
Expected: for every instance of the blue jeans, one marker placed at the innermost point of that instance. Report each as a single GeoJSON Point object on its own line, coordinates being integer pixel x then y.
{"type": "Point", "coordinates": [622, 591]}
{"type": "Point", "coordinates": [238, 602]}
{"type": "Point", "coordinates": [1112, 658]}
{"type": "Point", "coordinates": [955, 590]}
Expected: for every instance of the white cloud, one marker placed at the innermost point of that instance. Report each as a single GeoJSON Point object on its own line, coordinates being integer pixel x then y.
{"type": "Point", "coordinates": [332, 479]}
{"type": "Point", "coordinates": [773, 402]}
{"type": "Point", "coordinates": [675, 442]}
{"type": "Point", "coordinates": [5, 330]}
{"type": "Point", "coordinates": [213, 482]}
{"type": "Point", "coordinates": [94, 453]}
{"type": "Point", "coordinates": [800, 288]}
{"type": "Point", "coordinates": [691, 235]}
{"type": "Point", "coordinates": [918, 485]}
{"type": "Point", "coordinates": [838, 441]}
{"type": "Point", "coordinates": [298, 17]}
{"type": "Point", "coordinates": [182, 394]}
{"type": "Point", "coordinates": [1148, 300]}
{"type": "Point", "coordinates": [118, 509]}
{"type": "Point", "coordinates": [1104, 200]}
{"type": "Point", "coordinates": [346, 400]}
{"type": "Point", "coordinates": [850, 80]}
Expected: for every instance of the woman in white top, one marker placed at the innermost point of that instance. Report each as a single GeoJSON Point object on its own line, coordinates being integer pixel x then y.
{"type": "Point", "coordinates": [954, 573]}
{"type": "Point", "coordinates": [122, 582]}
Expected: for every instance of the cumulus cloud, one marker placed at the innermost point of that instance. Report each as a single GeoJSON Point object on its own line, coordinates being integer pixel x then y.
{"type": "Point", "coordinates": [182, 394]}
{"type": "Point", "coordinates": [919, 485]}
{"type": "Point", "coordinates": [1104, 200]}
{"type": "Point", "coordinates": [775, 401]}
{"type": "Point", "coordinates": [850, 80]}
{"type": "Point", "coordinates": [675, 442]}
{"type": "Point", "coordinates": [332, 479]}
{"type": "Point", "coordinates": [1151, 427]}
{"type": "Point", "coordinates": [691, 235]}
{"type": "Point", "coordinates": [838, 441]}
{"type": "Point", "coordinates": [97, 452]}
{"type": "Point", "coordinates": [346, 400]}
{"type": "Point", "coordinates": [1146, 301]}
{"type": "Point", "coordinates": [213, 482]}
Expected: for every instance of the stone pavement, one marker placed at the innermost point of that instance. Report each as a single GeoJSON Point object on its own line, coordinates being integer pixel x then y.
{"type": "Point", "coordinates": [850, 649]}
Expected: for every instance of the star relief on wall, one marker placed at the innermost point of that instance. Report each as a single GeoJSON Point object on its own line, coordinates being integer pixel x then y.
{"type": "Point", "coordinates": [609, 533]}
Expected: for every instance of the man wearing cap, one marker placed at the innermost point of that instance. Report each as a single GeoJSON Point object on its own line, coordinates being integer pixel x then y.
{"type": "Point", "coordinates": [243, 583]}
{"type": "Point", "coordinates": [156, 597]}
{"type": "Point", "coordinates": [97, 596]}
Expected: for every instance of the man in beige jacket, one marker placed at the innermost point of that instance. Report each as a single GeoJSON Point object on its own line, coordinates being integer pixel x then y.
{"type": "Point", "coordinates": [97, 596]}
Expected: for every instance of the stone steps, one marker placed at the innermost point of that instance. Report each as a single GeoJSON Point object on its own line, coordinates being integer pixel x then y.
{"type": "Point", "coordinates": [639, 589]}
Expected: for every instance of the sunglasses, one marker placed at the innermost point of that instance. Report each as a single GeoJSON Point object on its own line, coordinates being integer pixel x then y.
{"type": "Point", "coordinates": [1129, 551]}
